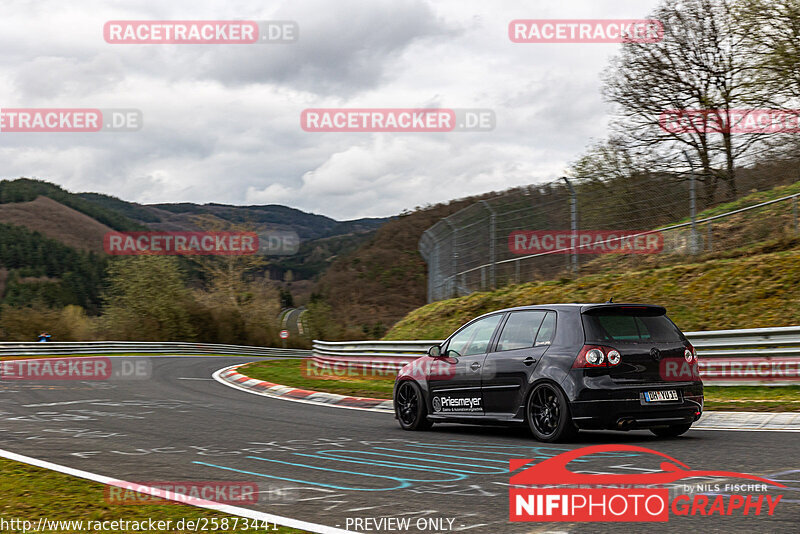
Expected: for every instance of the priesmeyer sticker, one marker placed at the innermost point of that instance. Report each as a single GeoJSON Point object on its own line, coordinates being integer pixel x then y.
{"type": "Point", "coordinates": [633, 498]}
{"type": "Point", "coordinates": [585, 242]}
{"type": "Point", "coordinates": [446, 403]}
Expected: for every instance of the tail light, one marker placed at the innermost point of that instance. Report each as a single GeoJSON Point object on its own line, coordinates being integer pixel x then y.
{"type": "Point", "coordinates": [596, 356]}
{"type": "Point", "coordinates": [693, 351]}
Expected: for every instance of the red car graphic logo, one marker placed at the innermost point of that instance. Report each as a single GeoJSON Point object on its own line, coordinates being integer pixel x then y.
{"type": "Point", "coordinates": [553, 471]}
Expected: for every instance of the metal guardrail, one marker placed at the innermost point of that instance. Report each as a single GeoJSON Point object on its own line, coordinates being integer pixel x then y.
{"type": "Point", "coordinates": [140, 347]}
{"type": "Point", "coordinates": [753, 356]}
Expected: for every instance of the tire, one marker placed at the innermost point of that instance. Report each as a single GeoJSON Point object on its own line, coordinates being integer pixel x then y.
{"type": "Point", "coordinates": [410, 408]}
{"type": "Point", "coordinates": [672, 431]}
{"type": "Point", "coordinates": [547, 413]}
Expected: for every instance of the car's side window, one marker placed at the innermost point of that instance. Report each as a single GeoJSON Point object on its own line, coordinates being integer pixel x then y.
{"type": "Point", "coordinates": [520, 329]}
{"type": "Point", "coordinates": [547, 330]}
{"type": "Point", "coordinates": [475, 338]}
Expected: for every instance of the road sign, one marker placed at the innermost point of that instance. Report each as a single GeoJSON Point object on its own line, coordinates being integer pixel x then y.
{"type": "Point", "coordinates": [284, 334]}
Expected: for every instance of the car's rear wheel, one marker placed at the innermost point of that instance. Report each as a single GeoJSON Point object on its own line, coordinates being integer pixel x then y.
{"type": "Point", "coordinates": [409, 406]}
{"type": "Point", "coordinates": [671, 431]}
{"type": "Point", "coordinates": [548, 414]}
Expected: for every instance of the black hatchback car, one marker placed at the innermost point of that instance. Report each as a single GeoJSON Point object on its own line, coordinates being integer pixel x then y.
{"type": "Point", "coordinates": [558, 368]}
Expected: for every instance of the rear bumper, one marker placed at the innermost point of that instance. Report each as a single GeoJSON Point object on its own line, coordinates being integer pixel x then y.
{"type": "Point", "coordinates": [603, 404]}
{"type": "Point", "coordinates": [629, 415]}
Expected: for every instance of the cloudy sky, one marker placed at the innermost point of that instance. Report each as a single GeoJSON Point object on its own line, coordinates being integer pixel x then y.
{"type": "Point", "coordinates": [222, 122]}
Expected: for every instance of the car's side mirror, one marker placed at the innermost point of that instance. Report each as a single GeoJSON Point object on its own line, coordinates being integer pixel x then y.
{"type": "Point", "coordinates": [435, 351]}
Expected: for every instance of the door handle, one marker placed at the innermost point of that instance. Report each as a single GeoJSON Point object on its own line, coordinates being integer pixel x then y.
{"type": "Point", "coordinates": [530, 360]}
{"type": "Point", "coordinates": [475, 366]}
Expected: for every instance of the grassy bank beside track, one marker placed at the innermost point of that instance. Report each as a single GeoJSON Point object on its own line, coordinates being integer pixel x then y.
{"type": "Point", "coordinates": [292, 373]}
{"type": "Point", "coordinates": [760, 290]}
{"type": "Point", "coordinates": [30, 493]}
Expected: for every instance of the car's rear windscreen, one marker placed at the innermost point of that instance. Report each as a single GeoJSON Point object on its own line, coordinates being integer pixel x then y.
{"type": "Point", "coordinates": [629, 325]}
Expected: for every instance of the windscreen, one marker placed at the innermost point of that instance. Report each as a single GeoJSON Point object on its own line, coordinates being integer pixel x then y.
{"type": "Point", "coordinates": [629, 326]}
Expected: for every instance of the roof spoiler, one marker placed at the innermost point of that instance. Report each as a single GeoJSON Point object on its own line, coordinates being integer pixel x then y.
{"type": "Point", "coordinates": [646, 310]}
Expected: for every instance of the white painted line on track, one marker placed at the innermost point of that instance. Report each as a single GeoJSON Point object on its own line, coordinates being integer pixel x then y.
{"type": "Point", "coordinates": [65, 403]}
{"type": "Point", "coordinates": [210, 505]}
{"type": "Point", "coordinates": [192, 378]}
{"type": "Point", "coordinates": [217, 376]}
{"type": "Point", "coordinates": [708, 429]}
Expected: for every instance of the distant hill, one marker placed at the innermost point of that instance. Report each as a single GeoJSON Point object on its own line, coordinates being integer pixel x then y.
{"type": "Point", "coordinates": [182, 216]}
{"type": "Point", "coordinates": [57, 221]}
{"type": "Point", "coordinates": [375, 285]}
{"type": "Point", "coordinates": [35, 268]}
{"type": "Point", "coordinates": [28, 190]}
{"type": "Point", "coordinates": [80, 220]}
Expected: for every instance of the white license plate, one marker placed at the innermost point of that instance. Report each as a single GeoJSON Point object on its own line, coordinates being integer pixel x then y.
{"type": "Point", "coordinates": [661, 396]}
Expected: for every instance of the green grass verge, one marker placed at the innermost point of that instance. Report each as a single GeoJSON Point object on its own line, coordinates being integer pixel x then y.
{"type": "Point", "coordinates": [293, 373]}
{"type": "Point", "coordinates": [753, 399]}
{"type": "Point", "coordinates": [734, 398]}
{"type": "Point", "coordinates": [30, 493]}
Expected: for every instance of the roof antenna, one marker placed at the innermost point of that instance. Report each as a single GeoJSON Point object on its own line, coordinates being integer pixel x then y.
{"type": "Point", "coordinates": [610, 301]}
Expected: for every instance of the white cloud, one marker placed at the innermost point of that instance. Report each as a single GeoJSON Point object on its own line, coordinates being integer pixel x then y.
{"type": "Point", "coordinates": [221, 122]}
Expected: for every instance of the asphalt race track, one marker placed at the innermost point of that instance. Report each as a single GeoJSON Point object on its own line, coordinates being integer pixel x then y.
{"type": "Point", "coordinates": [327, 465]}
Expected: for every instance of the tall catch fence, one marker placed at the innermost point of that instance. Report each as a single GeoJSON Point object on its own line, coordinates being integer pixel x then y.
{"type": "Point", "coordinates": [560, 229]}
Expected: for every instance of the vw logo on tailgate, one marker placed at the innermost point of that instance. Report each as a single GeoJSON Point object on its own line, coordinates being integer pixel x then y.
{"type": "Point", "coordinates": [655, 353]}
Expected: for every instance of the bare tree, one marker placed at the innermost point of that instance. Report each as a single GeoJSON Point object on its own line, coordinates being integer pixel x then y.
{"type": "Point", "coordinates": [771, 29]}
{"type": "Point", "coordinates": [701, 65]}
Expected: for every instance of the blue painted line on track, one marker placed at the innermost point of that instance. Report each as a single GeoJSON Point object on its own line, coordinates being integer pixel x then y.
{"type": "Point", "coordinates": [402, 483]}
{"type": "Point", "coordinates": [459, 476]}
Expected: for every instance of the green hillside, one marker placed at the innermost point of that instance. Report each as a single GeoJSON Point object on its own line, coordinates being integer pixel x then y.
{"type": "Point", "coordinates": [46, 272]}
{"type": "Point", "coordinates": [758, 290]}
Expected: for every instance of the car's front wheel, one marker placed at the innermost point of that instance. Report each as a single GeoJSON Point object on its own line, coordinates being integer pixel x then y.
{"type": "Point", "coordinates": [671, 431]}
{"type": "Point", "coordinates": [548, 414]}
{"type": "Point", "coordinates": [409, 406]}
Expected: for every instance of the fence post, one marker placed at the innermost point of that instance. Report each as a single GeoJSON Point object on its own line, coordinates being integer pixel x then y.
{"type": "Point", "coordinates": [794, 213]}
{"type": "Point", "coordinates": [710, 237]}
{"type": "Point", "coordinates": [492, 239]}
{"type": "Point", "coordinates": [573, 201]}
{"type": "Point", "coordinates": [692, 204]}
{"type": "Point", "coordinates": [453, 256]}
